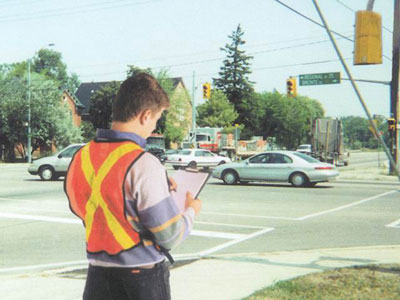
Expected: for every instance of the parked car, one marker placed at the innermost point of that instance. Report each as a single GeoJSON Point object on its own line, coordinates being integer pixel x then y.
{"type": "Point", "coordinates": [305, 148]}
{"type": "Point", "coordinates": [52, 167]}
{"type": "Point", "coordinates": [279, 166]}
{"type": "Point", "coordinates": [193, 158]}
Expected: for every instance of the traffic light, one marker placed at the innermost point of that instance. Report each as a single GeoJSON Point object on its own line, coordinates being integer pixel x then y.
{"type": "Point", "coordinates": [206, 90]}
{"type": "Point", "coordinates": [368, 38]}
{"type": "Point", "coordinates": [391, 124]}
{"type": "Point", "coordinates": [291, 87]}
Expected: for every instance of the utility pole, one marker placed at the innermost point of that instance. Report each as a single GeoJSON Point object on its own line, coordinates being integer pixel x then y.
{"type": "Point", "coordinates": [355, 87]}
{"type": "Point", "coordinates": [193, 110]}
{"type": "Point", "coordinates": [394, 86]}
{"type": "Point", "coordinates": [29, 113]}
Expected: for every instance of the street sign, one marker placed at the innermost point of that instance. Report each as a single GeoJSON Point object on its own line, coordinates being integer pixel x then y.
{"type": "Point", "coordinates": [320, 78]}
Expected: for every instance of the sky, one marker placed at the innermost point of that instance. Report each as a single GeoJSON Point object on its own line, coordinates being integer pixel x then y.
{"type": "Point", "coordinates": [99, 39]}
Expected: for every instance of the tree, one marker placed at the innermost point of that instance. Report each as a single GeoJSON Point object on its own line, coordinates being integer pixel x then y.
{"type": "Point", "coordinates": [100, 108]}
{"type": "Point", "coordinates": [233, 80]}
{"type": "Point", "coordinates": [49, 63]}
{"type": "Point", "coordinates": [357, 133]}
{"type": "Point", "coordinates": [271, 114]}
{"type": "Point", "coordinates": [217, 111]}
{"type": "Point", "coordinates": [50, 120]}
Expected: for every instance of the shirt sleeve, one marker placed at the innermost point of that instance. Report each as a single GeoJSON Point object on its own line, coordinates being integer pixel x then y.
{"type": "Point", "coordinates": [157, 209]}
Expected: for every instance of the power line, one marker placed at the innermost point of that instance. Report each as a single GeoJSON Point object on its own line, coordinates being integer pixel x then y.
{"type": "Point", "coordinates": [221, 58]}
{"type": "Point", "coordinates": [75, 10]}
{"type": "Point", "coordinates": [319, 24]}
{"type": "Point", "coordinates": [311, 20]}
{"type": "Point", "coordinates": [349, 8]}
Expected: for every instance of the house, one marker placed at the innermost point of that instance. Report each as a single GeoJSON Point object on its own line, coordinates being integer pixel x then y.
{"type": "Point", "coordinates": [180, 110]}
{"type": "Point", "coordinates": [84, 93]}
{"type": "Point", "coordinates": [74, 105]}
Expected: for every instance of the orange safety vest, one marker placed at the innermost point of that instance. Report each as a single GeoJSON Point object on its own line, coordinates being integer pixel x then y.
{"type": "Point", "coordinates": [95, 189]}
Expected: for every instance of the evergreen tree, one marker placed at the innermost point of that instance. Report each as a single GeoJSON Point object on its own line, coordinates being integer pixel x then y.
{"type": "Point", "coordinates": [234, 81]}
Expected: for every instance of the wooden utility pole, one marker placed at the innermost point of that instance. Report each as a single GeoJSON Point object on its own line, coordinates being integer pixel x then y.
{"type": "Point", "coordinates": [394, 86]}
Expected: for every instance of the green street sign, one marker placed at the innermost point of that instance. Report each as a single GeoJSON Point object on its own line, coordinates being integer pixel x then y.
{"type": "Point", "coordinates": [320, 78]}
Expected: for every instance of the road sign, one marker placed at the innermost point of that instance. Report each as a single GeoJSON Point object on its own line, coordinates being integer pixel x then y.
{"type": "Point", "coordinates": [320, 78]}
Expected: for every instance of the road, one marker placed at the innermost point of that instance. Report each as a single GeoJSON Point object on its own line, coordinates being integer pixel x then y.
{"type": "Point", "coordinates": [39, 232]}
{"type": "Point", "coordinates": [366, 159]}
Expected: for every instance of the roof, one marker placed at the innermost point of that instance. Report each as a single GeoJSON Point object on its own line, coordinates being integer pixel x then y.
{"type": "Point", "coordinates": [86, 89]}
{"type": "Point", "coordinates": [74, 98]}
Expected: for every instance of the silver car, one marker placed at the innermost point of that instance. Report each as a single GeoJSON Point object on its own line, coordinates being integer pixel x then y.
{"type": "Point", "coordinates": [52, 167]}
{"type": "Point", "coordinates": [280, 166]}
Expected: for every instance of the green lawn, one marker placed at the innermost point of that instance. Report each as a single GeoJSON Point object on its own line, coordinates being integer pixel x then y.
{"type": "Point", "coordinates": [367, 282]}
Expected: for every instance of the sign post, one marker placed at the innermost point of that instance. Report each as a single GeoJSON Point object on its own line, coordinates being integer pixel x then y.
{"type": "Point", "coordinates": [320, 78]}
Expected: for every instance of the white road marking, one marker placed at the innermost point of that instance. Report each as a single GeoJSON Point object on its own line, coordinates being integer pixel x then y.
{"type": "Point", "coordinates": [247, 216]}
{"type": "Point", "coordinates": [40, 209]}
{"type": "Point", "coordinates": [233, 242]}
{"type": "Point", "coordinates": [324, 212]}
{"type": "Point", "coordinates": [395, 224]}
{"type": "Point", "coordinates": [55, 265]}
{"type": "Point", "coordinates": [229, 225]}
{"type": "Point", "coordinates": [216, 234]}
{"type": "Point", "coordinates": [40, 218]}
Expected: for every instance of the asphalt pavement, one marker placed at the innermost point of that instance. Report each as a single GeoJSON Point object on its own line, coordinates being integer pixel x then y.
{"type": "Point", "coordinates": [218, 277]}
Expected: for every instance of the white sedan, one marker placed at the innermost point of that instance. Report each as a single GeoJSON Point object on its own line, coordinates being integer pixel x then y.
{"type": "Point", "coordinates": [278, 166]}
{"type": "Point", "coordinates": [193, 158]}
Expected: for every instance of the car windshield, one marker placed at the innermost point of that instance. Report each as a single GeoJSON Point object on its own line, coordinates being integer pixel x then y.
{"type": "Point", "coordinates": [70, 151]}
{"type": "Point", "coordinates": [306, 157]}
{"type": "Point", "coordinates": [155, 142]}
{"type": "Point", "coordinates": [201, 138]}
{"type": "Point", "coordinates": [303, 147]}
{"type": "Point", "coordinates": [185, 152]}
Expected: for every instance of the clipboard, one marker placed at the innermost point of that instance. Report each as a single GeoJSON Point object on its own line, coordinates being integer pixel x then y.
{"type": "Point", "coordinates": [188, 180]}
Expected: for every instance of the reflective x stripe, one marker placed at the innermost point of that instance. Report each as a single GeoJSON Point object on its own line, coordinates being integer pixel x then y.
{"type": "Point", "coordinates": [96, 199]}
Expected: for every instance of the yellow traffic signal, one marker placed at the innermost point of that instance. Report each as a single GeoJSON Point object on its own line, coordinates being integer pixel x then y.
{"type": "Point", "coordinates": [368, 38]}
{"type": "Point", "coordinates": [391, 124]}
{"type": "Point", "coordinates": [206, 90]}
{"type": "Point", "coordinates": [291, 87]}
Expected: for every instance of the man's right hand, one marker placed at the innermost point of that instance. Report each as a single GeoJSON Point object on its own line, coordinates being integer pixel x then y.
{"type": "Point", "coordinates": [194, 203]}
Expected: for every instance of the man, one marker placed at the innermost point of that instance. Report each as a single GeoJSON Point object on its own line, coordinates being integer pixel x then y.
{"type": "Point", "coordinates": [122, 194]}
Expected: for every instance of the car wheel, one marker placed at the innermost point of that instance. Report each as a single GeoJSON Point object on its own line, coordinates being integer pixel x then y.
{"type": "Point", "coordinates": [222, 162]}
{"type": "Point", "coordinates": [47, 173]}
{"type": "Point", "coordinates": [298, 179]}
{"type": "Point", "coordinates": [230, 177]}
{"type": "Point", "coordinates": [192, 164]}
{"type": "Point", "coordinates": [176, 167]}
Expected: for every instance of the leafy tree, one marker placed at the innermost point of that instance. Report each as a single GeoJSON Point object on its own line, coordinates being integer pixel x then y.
{"type": "Point", "coordinates": [50, 120]}
{"type": "Point", "coordinates": [271, 114]}
{"type": "Point", "coordinates": [233, 80]}
{"type": "Point", "coordinates": [133, 70]}
{"type": "Point", "coordinates": [217, 111]}
{"type": "Point", "coordinates": [100, 108]}
{"type": "Point", "coordinates": [357, 133]}
{"type": "Point", "coordinates": [88, 131]}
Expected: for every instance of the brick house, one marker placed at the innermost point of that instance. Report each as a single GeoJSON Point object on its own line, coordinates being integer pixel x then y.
{"type": "Point", "coordinates": [181, 105]}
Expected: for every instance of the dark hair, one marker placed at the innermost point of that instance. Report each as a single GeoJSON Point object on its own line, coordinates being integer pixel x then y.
{"type": "Point", "coordinates": [136, 94]}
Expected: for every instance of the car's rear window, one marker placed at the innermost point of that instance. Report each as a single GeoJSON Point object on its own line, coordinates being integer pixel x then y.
{"type": "Point", "coordinates": [306, 157]}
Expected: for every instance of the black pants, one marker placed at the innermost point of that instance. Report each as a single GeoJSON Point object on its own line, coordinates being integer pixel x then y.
{"type": "Point", "coordinates": [127, 283]}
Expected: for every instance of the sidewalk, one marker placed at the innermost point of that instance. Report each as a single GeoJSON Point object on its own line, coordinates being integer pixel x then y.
{"type": "Point", "coordinates": [367, 174]}
{"type": "Point", "coordinates": [224, 277]}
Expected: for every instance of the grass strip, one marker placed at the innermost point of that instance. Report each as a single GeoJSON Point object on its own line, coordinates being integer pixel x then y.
{"type": "Point", "coordinates": [365, 282]}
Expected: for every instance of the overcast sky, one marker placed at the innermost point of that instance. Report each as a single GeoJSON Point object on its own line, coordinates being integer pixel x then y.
{"type": "Point", "coordinates": [98, 39]}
